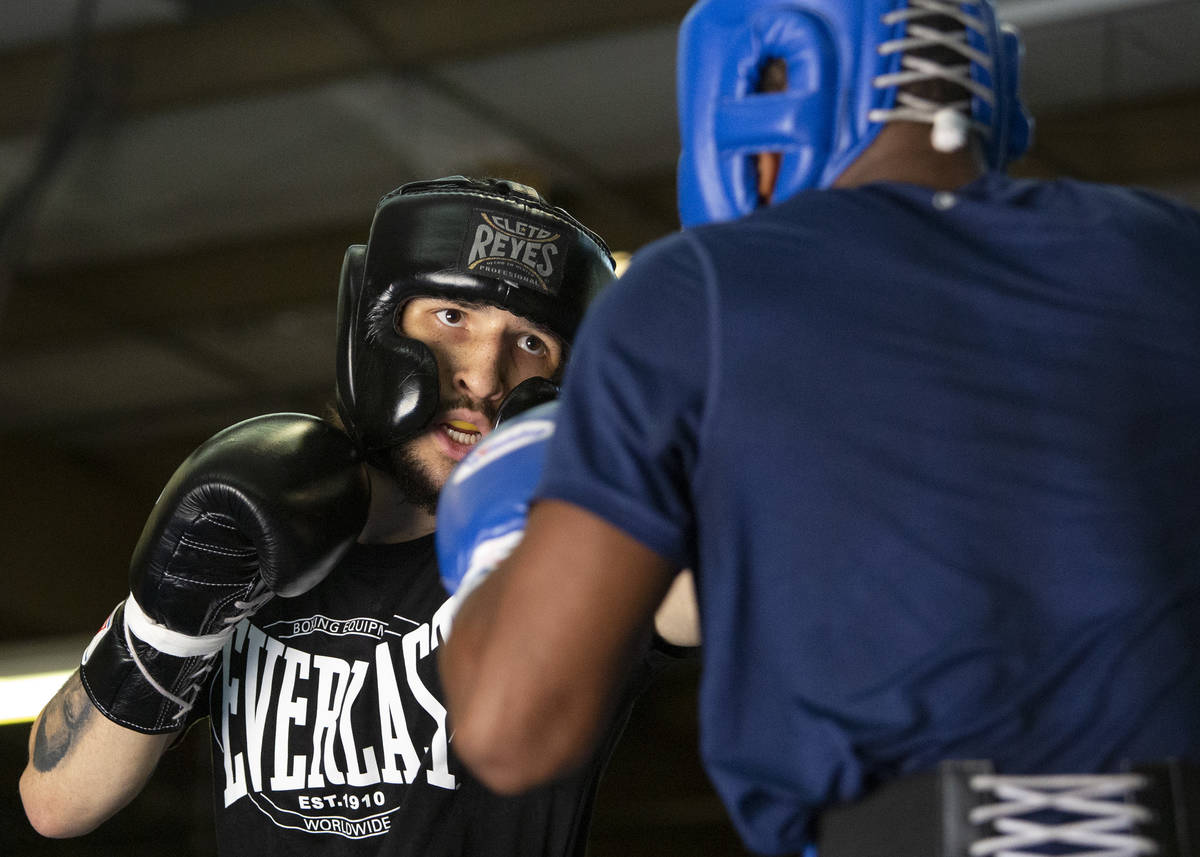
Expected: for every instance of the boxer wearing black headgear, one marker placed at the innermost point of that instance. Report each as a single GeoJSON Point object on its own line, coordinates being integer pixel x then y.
{"type": "Point", "coordinates": [329, 731]}
{"type": "Point", "coordinates": [476, 241]}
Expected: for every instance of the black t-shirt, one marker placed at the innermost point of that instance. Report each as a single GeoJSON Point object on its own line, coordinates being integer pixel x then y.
{"type": "Point", "coordinates": [330, 735]}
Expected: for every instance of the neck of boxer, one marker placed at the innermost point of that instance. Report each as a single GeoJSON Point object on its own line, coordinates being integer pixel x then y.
{"type": "Point", "coordinates": [902, 152]}
{"type": "Point", "coordinates": [391, 518]}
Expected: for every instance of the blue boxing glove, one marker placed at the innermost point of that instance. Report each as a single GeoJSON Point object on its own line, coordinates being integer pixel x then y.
{"type": "Point", "coordinates": [484, 503]}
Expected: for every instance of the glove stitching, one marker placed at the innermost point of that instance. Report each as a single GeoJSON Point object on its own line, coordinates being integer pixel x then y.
{"type": "Point", "coordinates": [218, 520]}
{"type": "Point", "coordinates": [105, 709]}
{"type": "Point", "coordinates": [219, 552]}
{"type": "Point", "coordinates": [214, 584]}
{"type": "Point", "coordinates": [235, 596]}
{"type": "Point", "coordinates": [180, 676]}
{"type": "Point", "coordinates": [208, 547]}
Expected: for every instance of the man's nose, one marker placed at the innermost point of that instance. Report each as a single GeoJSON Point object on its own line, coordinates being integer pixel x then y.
{"type": "Point", "coordinates": [478, 372]}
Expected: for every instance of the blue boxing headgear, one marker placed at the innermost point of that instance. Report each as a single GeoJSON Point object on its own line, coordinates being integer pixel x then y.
{"type": "Point", "coordinates": [846, 62]}
{"type": "Point", "coordinates": [475, 240]}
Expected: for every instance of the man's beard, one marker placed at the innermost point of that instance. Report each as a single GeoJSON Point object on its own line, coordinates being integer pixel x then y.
{"type": "Point", "coordinates": [417, 485]}
{"type": "Point", "coordinates": [413, 478]}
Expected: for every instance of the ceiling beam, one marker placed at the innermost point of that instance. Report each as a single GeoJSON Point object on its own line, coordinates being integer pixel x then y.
{"type": "Point", "coordinates": [1028, 14]}
{"type": "Point", "coordinates": [49, 308]}
{"type": "Point", "coordinates": [276, 47]}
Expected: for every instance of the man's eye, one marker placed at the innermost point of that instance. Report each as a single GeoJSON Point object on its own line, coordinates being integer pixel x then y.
{"type": "Point", "coordinates": [532, 344]}
{"type": "Point", "coordinates": [451, 317]}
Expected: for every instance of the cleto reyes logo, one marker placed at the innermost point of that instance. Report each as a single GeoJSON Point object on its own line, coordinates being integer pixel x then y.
{"type": "Point", "coordinates": [522, 251]}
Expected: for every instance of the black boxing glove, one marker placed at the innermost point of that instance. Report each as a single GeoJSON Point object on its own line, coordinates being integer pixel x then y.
{"type": "Point", "coordinates": [266, 507]}
{"type": "Point", "coordinates": [528, 394]}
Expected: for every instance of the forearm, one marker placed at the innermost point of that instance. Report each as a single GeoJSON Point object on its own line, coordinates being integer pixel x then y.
{"type": "Point", "coordinates": [519, 719]}
{"type": "Point", "coordinates": [83, 767]}
{"type": "Point", "coordinates": [490, 735]}
{"type": "Point", "coordinates": [537, 654]}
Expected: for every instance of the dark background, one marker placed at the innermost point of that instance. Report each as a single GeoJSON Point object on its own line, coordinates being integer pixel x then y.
{"type": "Point", "coordinates": [179, 181]}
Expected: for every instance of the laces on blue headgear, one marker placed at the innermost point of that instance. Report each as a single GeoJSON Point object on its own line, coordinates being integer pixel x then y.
{"type": "Point", "coordinates": [846, 61]}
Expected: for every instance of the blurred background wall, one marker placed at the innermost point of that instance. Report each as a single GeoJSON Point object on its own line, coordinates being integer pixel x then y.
{"type": "Point", "coordinates": [180, 178]}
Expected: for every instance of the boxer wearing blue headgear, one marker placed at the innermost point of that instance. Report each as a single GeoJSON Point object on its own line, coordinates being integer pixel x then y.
{"type": "Point", "coordinates": [926, 435]}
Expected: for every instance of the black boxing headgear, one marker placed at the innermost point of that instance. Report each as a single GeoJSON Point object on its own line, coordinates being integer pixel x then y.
{"type": "Point", "coordinates": [475, 240]}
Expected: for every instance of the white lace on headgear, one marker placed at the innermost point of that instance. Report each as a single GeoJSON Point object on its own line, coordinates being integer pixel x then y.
{"type": "Point", "coordinates": [951, 122]}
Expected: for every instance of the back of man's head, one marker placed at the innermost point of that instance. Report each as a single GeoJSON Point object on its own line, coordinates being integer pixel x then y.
{"type": "Point", "coordinates": [849, 68]}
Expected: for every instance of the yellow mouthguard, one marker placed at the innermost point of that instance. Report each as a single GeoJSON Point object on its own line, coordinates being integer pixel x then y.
{"type": "Point", "coordinates": [463, 426]}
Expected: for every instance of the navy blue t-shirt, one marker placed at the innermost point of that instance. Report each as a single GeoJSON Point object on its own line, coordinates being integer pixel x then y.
{"type": "Point", "coordinates": [935, 459]}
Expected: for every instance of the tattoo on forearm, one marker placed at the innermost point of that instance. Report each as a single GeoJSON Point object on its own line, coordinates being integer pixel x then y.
{"type": "Point", "coordinates": [65, 718]}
